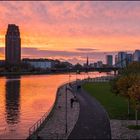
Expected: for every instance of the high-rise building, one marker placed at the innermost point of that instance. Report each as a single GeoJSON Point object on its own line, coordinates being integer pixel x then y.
{"type": "Point", "coordinates": [129, 58]}
{"type": "Point", "coordinates": [116, 60]}
{"type": "Point", "coordinates": [122, 59]}
{"type": "Point", "coordinates": [12, 45]}
{"type": "Point", "coordinates": [109, 60]}
{"type": "Point", "coordinates": [136, 55]}
{"type": "Point", "coordinates": [99, 64]}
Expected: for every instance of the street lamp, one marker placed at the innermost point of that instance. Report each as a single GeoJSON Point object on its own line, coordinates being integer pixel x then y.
{"type": "Point", "coordinates": [66, 112]}
{"type": "Point", "coordinates": [69, 76]}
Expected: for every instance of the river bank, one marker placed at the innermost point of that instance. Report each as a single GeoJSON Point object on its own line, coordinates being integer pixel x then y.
{"type": "Point", "coordinates": [55, 127]}
{"type": "Point", "coordinates": [30, 96]}
{"type": "Point", "coordinates": [60, 124]}
{"type": "Point", "coordinates": [44, 72]}
{"type": "Point", "coordinates": [10, 74]}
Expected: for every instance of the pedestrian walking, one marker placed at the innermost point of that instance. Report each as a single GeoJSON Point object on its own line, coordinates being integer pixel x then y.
{"type": "Point", "coordinates": [71, 102]}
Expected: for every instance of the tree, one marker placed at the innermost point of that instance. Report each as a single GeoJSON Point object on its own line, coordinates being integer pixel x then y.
{"type": "Point", "coordinates": [78, 66]}
{"type": "Point", "coordinates": [113, 84]}
{"type": "Point", "coordinates": [134, 93]}
{"type": "Point", "coordinates": [127, 78]}
{"type": "Point", "coordinates": [123, 84]}
{"type": "Point", "coordinates": [132, 68]}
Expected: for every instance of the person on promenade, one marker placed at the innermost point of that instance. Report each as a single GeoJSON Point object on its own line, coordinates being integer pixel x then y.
{"type": "Point", "coordinates": [75, 99]}
{"type": "Point", "coordinates": [71, 102]}
{"type": "Point", "coordinates": [78, 87]}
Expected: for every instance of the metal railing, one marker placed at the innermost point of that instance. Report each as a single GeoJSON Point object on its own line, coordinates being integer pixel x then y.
{"type": "Point", "coordinates": [99, 79]}
{"type": "Point", "coordinates": [35, 127]}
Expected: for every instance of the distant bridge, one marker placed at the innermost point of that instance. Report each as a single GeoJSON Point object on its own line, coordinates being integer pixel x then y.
{"type": "Point", "coordinates": [88, 69]}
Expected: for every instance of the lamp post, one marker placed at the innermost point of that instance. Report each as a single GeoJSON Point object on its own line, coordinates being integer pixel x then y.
{"type": "Point", "coordinates": [69, 76]}
{"type": "Point", "coordinates": [66, 112]}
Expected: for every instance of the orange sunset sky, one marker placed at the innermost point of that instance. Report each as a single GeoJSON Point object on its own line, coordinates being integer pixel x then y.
{"type": "Point", "coordinates": [69, 30]}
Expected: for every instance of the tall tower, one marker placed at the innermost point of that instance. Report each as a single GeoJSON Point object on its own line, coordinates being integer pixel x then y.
{"type": "Point", "coordinates": [109, 60]}
{"type": "Point", "coordinates": [12, 45]}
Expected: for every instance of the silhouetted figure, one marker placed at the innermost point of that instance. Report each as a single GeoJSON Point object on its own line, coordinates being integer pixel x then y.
{"type": "Point", "coordinates": [71, 102]}
{"type": "Point", "coordinates": [78, 87]}
{"type": "Point", "coordinates": [75, 99]}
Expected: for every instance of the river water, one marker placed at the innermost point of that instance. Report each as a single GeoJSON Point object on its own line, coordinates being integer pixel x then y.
{"type": "Point", "coordinates": [24, 99]}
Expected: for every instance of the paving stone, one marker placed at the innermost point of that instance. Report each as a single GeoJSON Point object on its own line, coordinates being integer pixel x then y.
{"type": "Point", "coordinates": [119, 129]}
{"type": "Point", "coordinates": [55, 127]}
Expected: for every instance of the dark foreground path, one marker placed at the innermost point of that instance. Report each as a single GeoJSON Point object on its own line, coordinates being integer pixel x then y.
{"type": "Point", "coordinates": [93, 122]}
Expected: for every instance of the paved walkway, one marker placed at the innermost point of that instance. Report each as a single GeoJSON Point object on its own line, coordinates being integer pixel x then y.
{"type": "Point", "coordinates": [87, 120]}
{"type": "Point", "coordinates": [93, 122]}
{"type": "Point", "coordinates": [120, 130]}
{"type": "Point", "coordinates": [55, 127]}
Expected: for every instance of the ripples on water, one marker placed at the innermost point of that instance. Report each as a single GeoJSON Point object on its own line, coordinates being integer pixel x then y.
{"type": "Point", "coordinates": [23, 100]}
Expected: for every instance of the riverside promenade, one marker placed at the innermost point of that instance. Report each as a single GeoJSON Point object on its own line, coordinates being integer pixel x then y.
{"type": "Point", "coordinates": [87, 119]}
{"type": "Point", "coordinates": [55, 127]}
{"type": "Point", "coordinates": [93, 122]}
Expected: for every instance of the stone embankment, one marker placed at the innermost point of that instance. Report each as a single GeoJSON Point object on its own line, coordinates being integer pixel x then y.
{"type": "Point", "coordinates": [55, 127]}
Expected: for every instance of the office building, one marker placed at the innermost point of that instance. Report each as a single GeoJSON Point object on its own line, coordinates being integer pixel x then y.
{"type": "Point", "coordinates": [38, 63]}
{"type": "Point", "coordinates": [122, 59]}
{"type": "Point", "coordinates": [12, 45]}
{"type": "Point", "coordinates": [136, 56]}
{"type": "Point", "coordinates": [129, 58]}
{"type": "Point", "coordinates": [99, 64]}
{"type": "Point", "coordinates": [109, 60]}
{"type": "Point", "coordinates": [116, 60]}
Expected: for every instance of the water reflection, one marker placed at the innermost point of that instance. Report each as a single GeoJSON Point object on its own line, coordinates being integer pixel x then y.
{"type": "Point", "coordinates": [12, 100]}
{"type": "Point", "coordinates": [23, 100]}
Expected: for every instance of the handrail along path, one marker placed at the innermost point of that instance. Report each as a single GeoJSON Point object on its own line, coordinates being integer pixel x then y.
{"type": "Point", "coordinates": [33, 130]}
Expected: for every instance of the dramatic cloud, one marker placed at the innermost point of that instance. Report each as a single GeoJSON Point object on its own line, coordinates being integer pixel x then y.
{"type": "Point", "coordinates": [67, 26]}
{"type": "Point", "coordinates": [72, 56]}
{"type": "Point", "coordinates": [85, 49]}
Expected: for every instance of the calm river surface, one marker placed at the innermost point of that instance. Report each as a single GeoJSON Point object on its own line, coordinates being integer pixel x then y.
{"type": "Point", "coordinates": [23, 100]}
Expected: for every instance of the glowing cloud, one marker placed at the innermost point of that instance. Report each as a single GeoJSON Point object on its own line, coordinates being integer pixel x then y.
{"type": "Point", "coordinates": [67, 26]}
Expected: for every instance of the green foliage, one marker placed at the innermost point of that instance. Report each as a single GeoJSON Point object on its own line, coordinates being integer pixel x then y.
{"type": "Point", "coordinates": [127, 85]}
{"type": "Point", "coordinates": [113, 85]}
{"type": "Point", "coordinates": [116, 106]}
{"type": "Point", "coordinates": [134, 93]}
{"type": "Point", "coordinates": [132, 68]}
{"type": "Point", "coordinates": [78, 66]}
{"type": "Point", "coordinates": [125, 82]}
